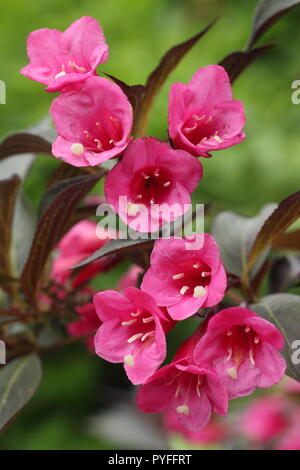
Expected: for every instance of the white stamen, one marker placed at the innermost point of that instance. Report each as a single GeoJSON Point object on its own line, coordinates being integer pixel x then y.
{"type": "Point", "coordinates": [166, 184]}
{"type": "Point", "coordinates": [130, 322]}
{"type": "Point", "coordinates": [203, 140]}
{"type": "Point", "coordinates": [183, 410]}
{"type": "Point", "coordinates": [145, 176]}
{"type": "Point", "coordinates": [111, 141]}
{"type": "Point", "coordinates": [218, 139]}
{"type": "Point", "coordinates": [148, 320]}
{"type": "Point", "coordinates": [99, 144]}
{"type": "Point", "coordinates": [177, 391]}
{"type": "Point", "coordinates": [129, 360]}
{"type": "Point", "coordinates": [135, 337]}
{"type": "Point", "coordinates": [156, 173]}
{"type": "Point", "coordinates": [208, 120]}
{"type": "Point", "coordinates": [198, 390]}
{"type": "Point", "coordinates": [135, 314]}
{"type": "Point", "coordinates": [191, 129]}
{"type": "Point", "coordinates": [147, 335]}
{"type": "Point", "coordinates": [199, 291]}
{"type": "Point", "coordinates": [229, 350]}
{"type": "Point", "coordinates": [86, 133]}
{"type": "Point", "coordinates": [247, 329]}
{"type": "Point", "coordinates": [204, 274]}
{"type": "Point", "coordinates": [256, 340]}
{"type": "Point", "coordinates": [178, 276]}
{"type": "Point", "coordinates": [199, 118]}
{"type": "Point", "coordinates": [251, 357]}
{"type": "Point", "coordinates": [152, 201]}
{"type": "Point", "coordinates": [77, 148]}
{"type": "Point", "coordinates": [132, 209]}
{"type": "Point", "coordinates": [184, 289]}
{"type": "Point", "coordinates": [60, 74]}
{"type": "Point", "coordinates": [196, 266]}
{"type": "Point", "coordinates": [232, 372]}
{"type": "Point", "coordinates": [229, 333]}
{"type": "Point", "coordinates": [139, 196]}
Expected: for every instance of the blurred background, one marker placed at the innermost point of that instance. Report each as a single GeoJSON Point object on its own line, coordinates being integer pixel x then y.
{"type": "Point", "coordinates": [77, 387]}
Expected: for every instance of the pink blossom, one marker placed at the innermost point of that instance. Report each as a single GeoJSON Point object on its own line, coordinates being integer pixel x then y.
{"type": "Point", "coordinates": [130, 278]}
{"type": "Point", "coordinates": [185, 277]}
{"type": "Point", "coordinates": [190, 391]}
{"type": "Point", "coordinates": [203, 117]}
{"type": "Point", "coordinates": [93, 124]}
{"type": "Point", "coordinates": [88, 322]}
{"type": "Point", "coordinates": [214, 432]}
{"type": "Point", "coordinates": [132, 332]}
{"type": "Point", "coordinates": [242, 349]}
{"type": "Point", "coordinates": [264, 419]}
{"type": "Point", "coordinates": [78, 243]}
{"type": "Point", "coordinates": [62, 59]}
{"type": "Point", "coordinates": [290, 439]}
{"type": "Point", "coordinates": [152, 184]}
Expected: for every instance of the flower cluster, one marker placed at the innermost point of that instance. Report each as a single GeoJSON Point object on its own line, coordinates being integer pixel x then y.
{"type": "Point", "coordinates": [233, 351]}
{"type": "Point", "coordinates": [153, 181]}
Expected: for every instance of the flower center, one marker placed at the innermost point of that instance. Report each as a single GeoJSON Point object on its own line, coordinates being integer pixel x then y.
{"type": "Point", "coordinates": [101, 136]}
{"type": "Point", "coordinates": [240, 342]}
{"type": "Point", "coordinates": [140, 328]}
{"type": "Point", "coordinates": [71, 67]}
{"type": "Point", "coordinates": [202, 128]}
{"type": "Point", "coordinates": [192, 278]}
{"type": "Point", "coordinates": [150, 185]}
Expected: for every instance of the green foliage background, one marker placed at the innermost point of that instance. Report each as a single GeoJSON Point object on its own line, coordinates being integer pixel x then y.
{"type": "Point", "coordinates": [264, 168]}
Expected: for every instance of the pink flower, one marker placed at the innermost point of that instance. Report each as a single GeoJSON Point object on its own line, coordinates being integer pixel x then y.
{"type": "Point", "coordinates": [203, 117]}
{"type": "Point", "coordinates": [60, 59]}
{"type": "Point", "coordinates": [191, 392]}
{"type": "Point", "coordinates": [88, 322]}
{"type": "Point", "coordinates": [93, 124]}
{"type": "Point", "coordinates": [213, 433]}
{"type": "Point", "coordinates": [132, 332]}
{"type": "Point", "coordinates": [130, 278]}
{"type": "Point", "coordinates": [152, 184]}
{"type": "Point", "coordinates": [185, 274]}
{"type": "Point", "coordinates": [80, 242]}
{"type": "Point", "coordinates": [264, 419]}
{"type": "Point", "coordinates": [242, 349]}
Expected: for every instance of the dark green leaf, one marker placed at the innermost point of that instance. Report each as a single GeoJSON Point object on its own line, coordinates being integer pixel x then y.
{"type": "Point", "coordinates": [283, 310]}
{"type": "Point", "coordinates": [287, 241]}
{"type": "Point", "coordinates": [285, 272]}
{"type": "Point", "coordinates": [266, 14]}
{"type": "Point", "coordinates": [24, 143]}
{"type": "Point", "coordinates": [8, 194]}
{"type": "Point", "coordinates": [57, 211]}
{"type": "Point", "coordinates": [235, 235]}
{"type": "Point", "coordinates": [286, 213]}
{"type": "Point", "coordinates": [19, 380]}
{"type": "Point", "coordinates": [237, 62]}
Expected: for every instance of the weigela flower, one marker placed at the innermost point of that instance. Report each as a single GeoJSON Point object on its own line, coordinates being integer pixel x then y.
{"type": "Point", "coordinates": [190, 391]}
{"type": "Point", "coordinates": [88, 322]}
{"type": "Point", "coordinates": [133, 331]}
{"type": "Point", "coordinates": [203, 117]}
{"type": "Point", "coordinates": [214, 432]}
{"type": "Point", "coordinates": [152, 184]}
{"type": "Point", "coordinates": [130, 278]}
{"type": "Point", "coordinates": [93, 124]}
{"type": "Point", "coordinates": [77, 244]}
{"type": "Point", "coordinates": [243, 349]}
{"type": "Point", "coordinates": [185, 274]}
{"type": "Point", "coordinates": [264, 419]}
{"type": "Point", "coordinates": [63, 59]}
